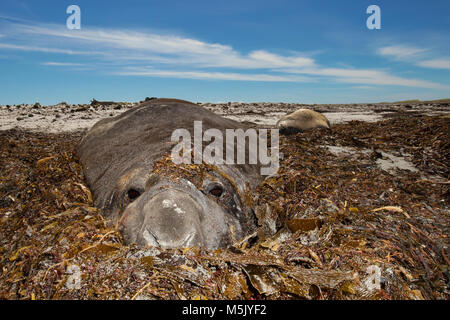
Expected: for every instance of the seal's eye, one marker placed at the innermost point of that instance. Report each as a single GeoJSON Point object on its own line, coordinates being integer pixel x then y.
{"type": "Point", "coordinates": [133, 194]}
{"type": "Point", "coordinates": [216, 191]}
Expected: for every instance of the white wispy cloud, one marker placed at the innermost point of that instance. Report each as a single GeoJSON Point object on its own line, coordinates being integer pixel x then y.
{"type": "Point", "coordinates": [213, 75]}
{"type": "Point", "coordinates": [414, 56]}
{"type": "Point", "coordinates": [62, 64]}
{"type": "Point", "coordinates": [364, 87]}
{"type": "Point", "coordinates": [43, 49]}
{"type": "Point", "coordinates": [371, 77]}
{"type": "Point", "coordinates": [401, 51]}
{"type": "Point", "coordinates": [152, 54]}
{"type": "Point", "coordinates": [153, 47]}
{"type": "Point", "coordinates": [435, 63]}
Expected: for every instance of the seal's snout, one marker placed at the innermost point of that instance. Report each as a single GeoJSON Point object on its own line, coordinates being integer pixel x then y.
{"type": "Point", "coordinates": [172, 219]}
{"type": "Point", "coordinates": [172, 214]}
{"type": "Point", "coordinates": [169, 219]}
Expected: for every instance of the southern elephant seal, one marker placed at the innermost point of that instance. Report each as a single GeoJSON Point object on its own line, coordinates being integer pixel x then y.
{"type": "Point", "coordinates": [155, 202]}
{"type": "Point", "coordinates": [302, 120]}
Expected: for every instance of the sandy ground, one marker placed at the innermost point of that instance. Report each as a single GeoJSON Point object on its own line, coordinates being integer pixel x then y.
{"type": "Point", "coordinates": [68, 118]}
{"type": "Point", "coordinates": [57, 118]}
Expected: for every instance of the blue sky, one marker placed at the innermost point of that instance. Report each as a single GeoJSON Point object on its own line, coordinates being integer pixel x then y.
{"type": "Point", "coordinates": [281, 51]}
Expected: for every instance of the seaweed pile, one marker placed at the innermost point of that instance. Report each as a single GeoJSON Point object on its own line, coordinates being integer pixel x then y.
{"type": "Point", "coordinates": [327, 224]}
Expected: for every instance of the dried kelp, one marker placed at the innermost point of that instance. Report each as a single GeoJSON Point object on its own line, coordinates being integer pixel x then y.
{"type": "Point", "coordinates": [325, 221]}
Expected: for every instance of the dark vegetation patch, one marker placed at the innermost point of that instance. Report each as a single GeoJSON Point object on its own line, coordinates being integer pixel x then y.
{"type": "Point", "coordinates": [323, 220]}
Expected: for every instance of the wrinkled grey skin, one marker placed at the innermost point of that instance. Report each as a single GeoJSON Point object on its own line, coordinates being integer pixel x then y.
{"type": "Point", "coordinates": [118, 154]}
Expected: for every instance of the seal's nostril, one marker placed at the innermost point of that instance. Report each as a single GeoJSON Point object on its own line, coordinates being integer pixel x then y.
{"type": "Point", "coordinates": [216, 191]}
{"type": "Point", "coordinates": [133, 194]}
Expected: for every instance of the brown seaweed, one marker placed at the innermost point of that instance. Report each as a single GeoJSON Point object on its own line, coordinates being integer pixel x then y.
{"type": "Point", "coordinates": [324, 219]}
